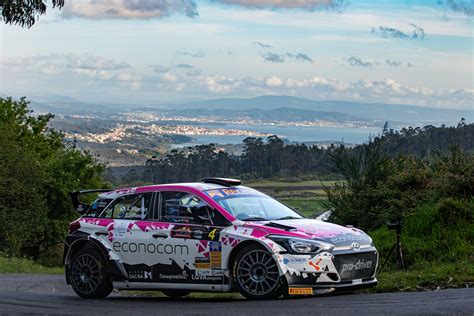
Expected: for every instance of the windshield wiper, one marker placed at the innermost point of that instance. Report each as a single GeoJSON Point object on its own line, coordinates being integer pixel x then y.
{"type": "Point", "coordinates": [286, 217]}
{"type": "Point", "coordinates": [254, 219]}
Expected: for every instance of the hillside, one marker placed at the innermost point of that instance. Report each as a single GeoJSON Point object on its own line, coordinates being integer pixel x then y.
{"type": "Point", "coordinates": [375, 111]}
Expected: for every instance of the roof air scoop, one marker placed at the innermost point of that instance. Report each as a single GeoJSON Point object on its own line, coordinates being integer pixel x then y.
{"type": "Point", "coordinates": [222, 181]}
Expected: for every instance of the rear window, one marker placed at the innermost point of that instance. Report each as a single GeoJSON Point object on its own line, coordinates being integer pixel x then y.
{"type": "Point", "coordinates": [97, 207]}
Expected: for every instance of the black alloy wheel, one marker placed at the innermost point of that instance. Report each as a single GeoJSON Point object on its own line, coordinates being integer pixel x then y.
{"type": "Point", "coordinates": [256, 274]}
{"type": "Point", "coordinates": [88, 276]}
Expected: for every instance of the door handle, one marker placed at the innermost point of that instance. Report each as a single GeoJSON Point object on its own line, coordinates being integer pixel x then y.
{"type": "Point", "coordinates": [101, 233]}
{"type": "Point", "coordinates": [160, 236]}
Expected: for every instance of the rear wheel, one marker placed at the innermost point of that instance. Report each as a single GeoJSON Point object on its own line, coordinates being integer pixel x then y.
{"type": "Point", "coordinates": [87, 274]}
{"type": "Point", "coordinates": [256, 274]}
{"type": "Point", "coordinates": [175, 293]}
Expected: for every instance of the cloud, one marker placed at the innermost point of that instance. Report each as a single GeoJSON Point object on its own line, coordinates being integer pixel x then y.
{"type": "Point", "coordinates": [187, 66]}
{"type": "Point", "coordinates": [193, 72]}
{"type": "Point", "coordinates": [280, 58]}
{"type": "Point", "coordinates": [112, 80]}
{"type": "Point", "coordinates": [394, 63]}
{"type": "Point", "coordinates": [355, 61]}
{"type": "Point", "coordinates": [309, 5]}
{"type": "Point", "coordinates": [128, 9]}
{"type": "Point", "coordinates": [273, 81]}
{"type": "Point", "coordinates": [417, 32]}
{"type": "Point", "coordinates": [91, 62]}
{"type": "Point", "coordinates": [261, 45]}
{"type": "Point", "coordinates": [466, 7]}
{"type": "Point", "coordinates": [221, 84]}
{"type": "Point", "coordinates": [160, 69]}
{"type": "Point", "coordinates": [272, 57]}
{"type": "Point", "coordinates": [300, 57]}
{"type": "Point", "coordinates": [191, 54]}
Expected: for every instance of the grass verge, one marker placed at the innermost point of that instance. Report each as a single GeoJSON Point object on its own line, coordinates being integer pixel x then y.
{"type": "Point", "coordinates": [431, 277]}
{"type": "Point", "coordinates": [24, 265]}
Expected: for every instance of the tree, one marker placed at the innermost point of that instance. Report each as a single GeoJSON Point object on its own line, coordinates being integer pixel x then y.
{"type": "Point", "coordinates": [25, 12]}
{"type": "Point", "coordinates": [38, 169]}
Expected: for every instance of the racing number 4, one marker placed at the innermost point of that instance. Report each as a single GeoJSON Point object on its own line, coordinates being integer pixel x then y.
{"type": "Point", "coordinates": [212, 234]}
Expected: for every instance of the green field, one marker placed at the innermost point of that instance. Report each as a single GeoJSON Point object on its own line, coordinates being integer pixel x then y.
{"type": "Point", "coordinates": [305, 196]}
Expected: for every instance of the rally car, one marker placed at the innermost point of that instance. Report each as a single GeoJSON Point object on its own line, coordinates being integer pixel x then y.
{"type": "Point", "coordinates": [213, 235]}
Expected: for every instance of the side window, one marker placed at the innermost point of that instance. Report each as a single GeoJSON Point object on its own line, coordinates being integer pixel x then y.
{"type": "Point", "coordinates": [136, 206]}
{"type": "Point", "coordinates": [182, 207]}
{"type": "Point", "coordinates": [97, 207]}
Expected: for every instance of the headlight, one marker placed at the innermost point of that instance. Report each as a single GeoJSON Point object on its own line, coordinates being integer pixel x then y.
{"type": "Point", "coordinates": [301, 246]}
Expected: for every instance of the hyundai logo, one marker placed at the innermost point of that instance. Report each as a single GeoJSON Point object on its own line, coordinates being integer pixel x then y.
{"type": "Point", "coordinates": [355, 246]}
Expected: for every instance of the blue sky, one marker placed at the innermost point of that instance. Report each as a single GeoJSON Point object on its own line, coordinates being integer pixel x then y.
{"type": "Point", "coordinates": [144, 51]}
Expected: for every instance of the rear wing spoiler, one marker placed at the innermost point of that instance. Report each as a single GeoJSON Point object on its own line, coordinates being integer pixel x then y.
{"type": "Point", "coordinates": [81, 207]}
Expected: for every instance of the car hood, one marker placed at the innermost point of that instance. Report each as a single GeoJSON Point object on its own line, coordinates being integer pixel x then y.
{"type": "Point", "coordinates": [316, 229]}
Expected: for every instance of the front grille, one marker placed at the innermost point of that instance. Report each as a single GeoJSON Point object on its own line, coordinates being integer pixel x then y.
{"type": "Point", "coordinates": [356, 265]}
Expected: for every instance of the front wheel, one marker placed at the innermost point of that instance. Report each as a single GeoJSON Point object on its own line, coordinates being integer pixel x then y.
{"type": "Point", "coordinates": [256, 274]}
{"type": "Point", "coordinates": [87, 274]}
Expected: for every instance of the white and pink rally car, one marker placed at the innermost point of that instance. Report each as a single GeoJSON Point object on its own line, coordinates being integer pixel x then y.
{"type": "Point", "coordinates": [214, 235]}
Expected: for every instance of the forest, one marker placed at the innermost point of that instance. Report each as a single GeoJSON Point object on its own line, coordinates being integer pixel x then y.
{"type": "Point", "coordinates": [273, 157]}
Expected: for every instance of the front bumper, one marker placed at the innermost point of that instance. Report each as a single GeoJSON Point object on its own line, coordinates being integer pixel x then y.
{"type": "Point", "coordinates": [341, 269]}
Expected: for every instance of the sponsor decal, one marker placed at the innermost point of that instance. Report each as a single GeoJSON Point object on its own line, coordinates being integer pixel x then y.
{"type": "Point", "coordinates": [347, 238]}
{"type": "Point", "coordinates": [182, 232]}
{"type": "Point", "coordinates": [213, 193]}
{"type": "Point", "coordinates": [215, 246]}
{"type": "Point", "coordinates": [294, 260]}
{"type": "Point", "coordinates": [182, 276]}
{"type": "Point", "coordinates": [120, 229]}
{"type": "Point", "coordinates": [215, 254]}
{"type": "Point", "coordinates": [197, 234]}
{"type": "Point", "coordinates": [150, 248]}
{"type": "Point", "coordinates": [359, 265]}
{"type": "Point", "coordinates": [206, 273]}
{"type": "Point", "coordinates": [202, 263]}
{"type": "Point", "coordinates": [206, 278]}
{"type": "Point", "coordinates": [140, 275]}
{"type": "Point", "coordinates": [218, 194]}
{"type": "Point", "coordinates": [316, 265]}
{"type": "Point", "coordinates": [300, 291]}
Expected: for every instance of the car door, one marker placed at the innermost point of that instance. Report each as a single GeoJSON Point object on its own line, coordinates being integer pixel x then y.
{"type": "Point", "coordinates": [193, 248]}
{"type": "Point", "coordinates": [129, 237]}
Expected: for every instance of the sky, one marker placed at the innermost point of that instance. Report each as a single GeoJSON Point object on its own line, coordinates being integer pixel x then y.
{"type": "Point", "coordinates": [156, 51]}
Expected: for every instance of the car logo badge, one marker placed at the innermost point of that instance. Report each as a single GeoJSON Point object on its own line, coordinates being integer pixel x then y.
{"type": "Point", "coordinates": [355, 246]}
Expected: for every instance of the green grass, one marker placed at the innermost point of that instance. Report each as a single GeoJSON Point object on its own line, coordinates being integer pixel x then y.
{"type": "Point", "coordinates": [24, 265]}
{"type": "Point", "coordinates": [430, 277]}
{"type": "Point", "coordinates": [306, 206]}
{"type": "Point", "coordinates": [288, 183]}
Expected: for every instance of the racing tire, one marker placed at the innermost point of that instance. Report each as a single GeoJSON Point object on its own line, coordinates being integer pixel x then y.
{"type": "Point", "coordinates": [175, 293]}
{"type": "Point", "coordinates": [88, 275]}
{"type": "Point", "coordinates": [255, 274]}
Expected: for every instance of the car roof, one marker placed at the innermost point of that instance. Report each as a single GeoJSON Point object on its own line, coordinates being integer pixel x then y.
{"type": "Point", "coordinates": [151, 188]}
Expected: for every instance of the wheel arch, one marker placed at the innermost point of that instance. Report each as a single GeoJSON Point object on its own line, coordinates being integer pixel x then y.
{"type": "Point", "coordinates": [113, 267]}
{"type": "Point", "coordinates": [233, 254]}
{"type": "Point", "coordinates": [235, 251]}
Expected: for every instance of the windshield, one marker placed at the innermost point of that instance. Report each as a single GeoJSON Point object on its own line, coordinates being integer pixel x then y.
{"type": "Point", "coordinates": [251, 205]}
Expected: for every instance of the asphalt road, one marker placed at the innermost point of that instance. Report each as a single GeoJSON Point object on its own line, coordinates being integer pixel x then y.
{"type": "Point", "coordinates": [48, 294]}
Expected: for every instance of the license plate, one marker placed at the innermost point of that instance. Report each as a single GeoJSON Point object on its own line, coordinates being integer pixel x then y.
{"type": "Point", "coordinates": [357, 281]}
{"type": "Point", "coordinates": [300, 291]}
